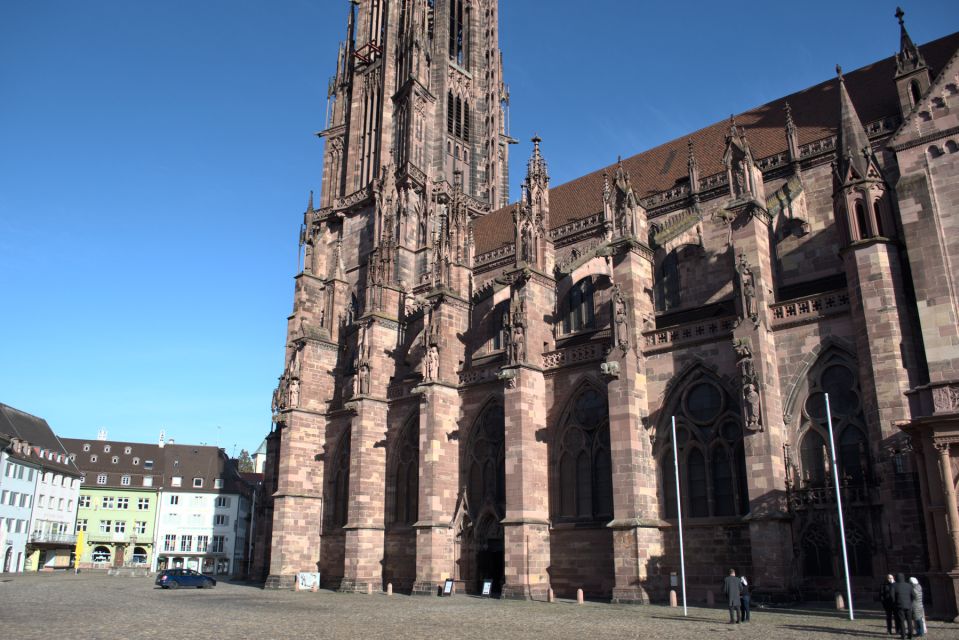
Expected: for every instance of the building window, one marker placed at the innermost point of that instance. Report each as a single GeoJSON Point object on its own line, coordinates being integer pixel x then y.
{"type": "Point", "coordinates": [186, 543]}
{"type": "Point", "coordinates": [123, 503]}
{"type": "Point", "coordinates": [578, 312]}
{"type": "Point", "coordinates": [83, 477]}
{"type": "Point", "coordinates": [106, 526]}
{"type": "Point", "coordinates": [176, 481]}
{"type": "Point", "coordinates": [712, 463]}
{"type": "Point", "coordinates": [143, 504]}
{"type": "Point", "coordinates": [107, 502]}
{"type": "Point", "coordinates": [115, 459]}
{"type": "Point", "coordinates": [169, 542]}
{"type": "Point", "coordinates": [202, 542]}
{"type": "Point", "coordinates": [218, 483]}
{"type": "Point", "coordinates": [93, 458]}
{"type": "Point", "coordinates": [84, 502]}
{"type": "Point", "coordinates": [223, 501]}
{"type": "Point", "coordinates": [486, 473]}
{"type": "Point", "coordinates": [148, 464]}
{"type": "Point", "coordinates": [106, 448]}
{"type": "Point", "coordinates": [816, 552]}
{"type": "Point", "coordinates": [86, 448]}
{"type": "Point", "coordinates": [125, 481]}
{"type": "Point", "coordinates": [127, 450]}
{"type": "Point", "coordinates": [197, 483]}
{"type": "Point", "coordinates": [459, 32]}
{"type": "Point", "coordinates": [174, 499]}
{"type": "Point", "coordinates": [136, 461]}
{"type": "Point", "coordinates": [584, 466]}
{"type": "Point", "coordinates": [406, 473]}
{"type": "Point", "coordinates": [147, 481]}
{"type": "Point", "coordinates": [667, 287]}
{"type": "Point", "coordinates": [219, 542]}
{"type": "Point", "coordinates": [120, 526]}
{"type": "Point", "coordinates": [81, 524]}
{"type": "Point", "coordinates": [221, 520]}
{"type": "Point", "coordinates": [340, 477]}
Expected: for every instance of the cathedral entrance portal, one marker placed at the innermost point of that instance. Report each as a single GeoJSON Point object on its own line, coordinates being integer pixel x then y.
{"type": "Point", "coordinates": [485, 471]}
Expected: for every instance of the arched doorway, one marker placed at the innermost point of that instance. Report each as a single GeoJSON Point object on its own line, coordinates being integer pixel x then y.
{"type": "Point", "coordinates": [139, 555]}
{"type": "Point", "coordinates": [484, 472]}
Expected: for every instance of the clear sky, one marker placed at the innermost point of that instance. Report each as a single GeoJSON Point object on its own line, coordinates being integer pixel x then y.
{"type": "Point", "coordinates": [156, 157]}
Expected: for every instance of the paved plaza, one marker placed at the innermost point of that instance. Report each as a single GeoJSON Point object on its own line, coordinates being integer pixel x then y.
{"type": "Point", "coordinates": [98, 606]}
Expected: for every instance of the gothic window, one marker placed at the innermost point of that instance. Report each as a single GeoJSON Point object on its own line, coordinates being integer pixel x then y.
{"type": "Point", "coordinates": [458, 124]}
{"type": "Point", "coordinates": [578, 312]}
{"type": "Point", "coordinates": [485, 462]}
{"type": "Point", "coordinates": [816, 552]}
{"type": "Point", "coordinates": [466, 122]}
{"type": "Point", "coordinates": [340, 483]}
{"type": "Point", "coordinates": [914, 92]}
{"type": "Point", "coordinates": [498, 326]}
{"type": "Point", "coordinates": [667, 285]}
{"type": "Point", "coordinates": [859, 553]}
{"type": "Point", "coordinates": [837, 375]}
{"type": "Point", "coordinates": [712, 463]}
{"type": "Point", "coordinates": [878, 209]}
{"type": "Point", "coordinates": [585, 473]}
{"type": "Point", "coordinates": [406, 473]}
{"type": "Point", "coordinates": [450, 118]}
{"type": "Point", "coordinates": [861, 223]}
{"type": "Point", "coordinates": [459, 16]}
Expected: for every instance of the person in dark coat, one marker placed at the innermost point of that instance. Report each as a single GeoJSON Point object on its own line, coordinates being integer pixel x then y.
{"type": "Point", "coordinates": [888, 600]}
{"type": "Point", "coordinates": [904, 599]}
{"type": "Point", "coordinates": [744, 598]}
{"type": "Point", "coordinates": [732, 591]}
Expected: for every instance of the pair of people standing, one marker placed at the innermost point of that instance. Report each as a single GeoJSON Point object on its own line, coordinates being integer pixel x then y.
{"type": "Point", "coordinates": [736, 590]}
{"type": "Point", "coordinates": [902, 601]}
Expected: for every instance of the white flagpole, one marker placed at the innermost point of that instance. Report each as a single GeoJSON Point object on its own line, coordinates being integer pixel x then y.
{"type": "Point", "coordinates": [679, 512]}
{"type": "Point", "coordinates": [842, 525]}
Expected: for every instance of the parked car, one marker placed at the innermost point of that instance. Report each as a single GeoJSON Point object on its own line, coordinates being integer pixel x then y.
{"type": "Point", "coordinates": [176, 578]}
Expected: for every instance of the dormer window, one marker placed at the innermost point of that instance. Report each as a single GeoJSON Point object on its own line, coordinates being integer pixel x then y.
{"type": "Point", "coordinates": [115, 459]}
{"type": "Point", "coordinates": [127, 450]}
{"type": "Point", "coordinates": [106, 448]}
{"type": "Point", "coordinates": [86, 448]}
{"type": "Point", "coordinates": [136, 461]}
{"type": "Point", "coordinates": [93, 458]}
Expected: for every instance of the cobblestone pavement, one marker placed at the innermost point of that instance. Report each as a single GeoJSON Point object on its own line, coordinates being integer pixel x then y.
{"type": "Point", "coordinates": [65, 607]}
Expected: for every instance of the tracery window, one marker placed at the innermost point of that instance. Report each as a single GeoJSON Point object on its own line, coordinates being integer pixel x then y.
{"type": "Point", "coordinates": [667, 285]}
{"type": "Point", "coordinates": [578, 309]}
{"type": "Point", "coordinates": [712, 462]}
{"type": "Point", "coordinates": [816, 552]}
{"type": "Point", "coordinates": [340, 483]}
{"type": "Point", "coordinates": [584, 467]}
{"type": "Point", "coordinates": [485, 462]}
{"type": "Point", "coordinates": [406, 474]}
{"type": "Point", "coordinates": [459, 22]}
{"type": "Point", "coordinates": [836, 375]}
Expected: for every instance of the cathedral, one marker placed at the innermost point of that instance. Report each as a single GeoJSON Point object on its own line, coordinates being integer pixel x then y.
{"type": "Point", "coordinates": [479, 390]}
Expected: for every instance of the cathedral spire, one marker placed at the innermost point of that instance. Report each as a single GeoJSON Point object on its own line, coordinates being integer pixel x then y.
{"type": "Point", "coordinates": [908, 59]}
{"type": "Point", "coordinates": [853, 143]}
{"type": "Point", "coordinates": [912, 74]}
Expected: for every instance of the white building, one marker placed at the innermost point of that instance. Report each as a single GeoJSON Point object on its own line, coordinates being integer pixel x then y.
{"type": "Point", "coordinates": [204, 514]}
{"type": "Point", "coordinates": [39, 489]}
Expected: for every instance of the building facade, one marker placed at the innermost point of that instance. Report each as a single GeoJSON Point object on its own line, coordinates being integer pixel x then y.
{"type": "Point", "coordinates": [39, 492]}
{"type": "Point", "coordinates": [476, 391]}
{"type": "Point", "coordinates": [204, 518]}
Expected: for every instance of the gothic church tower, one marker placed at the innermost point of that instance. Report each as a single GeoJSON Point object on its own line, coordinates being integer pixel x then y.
{"type": "Point", "coordinates": [416, 150]}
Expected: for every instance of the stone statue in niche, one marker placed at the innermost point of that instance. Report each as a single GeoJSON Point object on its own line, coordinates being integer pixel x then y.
{"type": "Point", "coordinates": [516, 352]}
{"type": "Point", "coordinates": [294, 393]}
{"type": "Point", "coordinates": [620, 319]}
{"type": "Point", "coordinates": [432, 363]}
{"type": "Point", "coordinates": [747, 289]}
{"type": "Point", "coordinates": [750, 383]}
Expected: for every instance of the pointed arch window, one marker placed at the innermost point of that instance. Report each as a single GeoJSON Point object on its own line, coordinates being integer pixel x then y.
{"type": "Point", "coordinates": [340, 483]}
{"type": "Point", "coordinates": [459, 20]}
{"type": "Point", "coordinates": [816, 552]}
{"type": "Point", "coordinates": [667, 286]}
{"type": "Point", "coordinates": [578, 314]}
{"type": "Point", "coordinates": [450, 116]}
{"type": "Point", "coordinates": [712, 462]}
{"type": "Point", "coordinates": [878, 211]}
{"type": "Point", "coordinates": [485, 462]}
{"type": "Point", "coordinates": [406, 474]}
{"type": "Point", "coordinates": [915, 93]}
{"type": "Point", "coordinates": [584, 481]}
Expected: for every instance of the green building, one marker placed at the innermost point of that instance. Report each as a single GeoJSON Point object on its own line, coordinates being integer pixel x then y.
{"type": "Point", "coordinates": [118, 501]}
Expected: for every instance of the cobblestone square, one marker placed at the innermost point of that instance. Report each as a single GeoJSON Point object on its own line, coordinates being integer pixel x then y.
{"type": "Point", "coordinates": [96, 606]}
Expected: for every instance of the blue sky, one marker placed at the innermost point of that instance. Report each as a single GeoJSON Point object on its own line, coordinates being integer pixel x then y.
{"type": "Point", "coordinates": [155, 159]}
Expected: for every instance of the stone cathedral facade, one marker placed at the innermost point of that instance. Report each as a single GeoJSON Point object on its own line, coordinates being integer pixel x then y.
{"type": "Point", "coordinates": [476, 390]}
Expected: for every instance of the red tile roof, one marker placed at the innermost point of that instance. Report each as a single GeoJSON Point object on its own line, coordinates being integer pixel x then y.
{"type": "Point", "coordinates": [815, 113]}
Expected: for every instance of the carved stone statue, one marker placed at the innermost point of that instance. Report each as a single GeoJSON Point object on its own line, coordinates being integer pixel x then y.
{"type": "Point", "coordinates": [620, 319]}
{"type": "Point", "coordinates": [432, 363]}
{"type": "Point", "coordinates": [294, 393]}
{"type": "Point", "coordinates": [749, 381]}
{"type": "Point", "coordinates": [751, 396]}
{"type": "Point", "coordinates": [747, 289]}
{"type": "Point", "coordinates": [364, 376]}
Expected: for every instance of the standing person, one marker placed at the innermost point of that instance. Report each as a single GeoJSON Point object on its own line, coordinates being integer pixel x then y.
{"type": "Point", "coordinates": [888, 600]}
{"type": "Point", "coordinates": [918, 610]}
{"type": "Point", "coordinates": [902, 593]}
{"type": "Point", "coordinates": [732, 591]}
{"type": "Point", "coordinates": [744, 598]}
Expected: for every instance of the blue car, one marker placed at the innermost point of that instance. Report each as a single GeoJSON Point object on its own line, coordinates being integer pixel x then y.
{"type": "Point", "coordinates": [176, 578]}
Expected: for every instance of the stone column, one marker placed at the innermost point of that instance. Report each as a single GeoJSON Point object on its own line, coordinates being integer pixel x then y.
{"type": "Point", "coordinates": [952, 507]}
{"type": "Point", "coordinates": [636, 534]}
{"type": "Point", "coordinates": [763, 427]}
{"type": "Point", "coordinates": [526, 526]}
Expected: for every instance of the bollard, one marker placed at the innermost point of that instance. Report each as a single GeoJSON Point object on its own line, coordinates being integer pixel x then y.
{"type": "Point", "coordinates": [550, 596]}
{"type": "Point", "coordinates": [369, 588]}
{"type": "Point", "coordinates": [389, 588]}
{"type": "Point", "coordinates": [840, 602]}
{"type": "Point", "coordinates": [672, 598]}
{"type": "Point", "coordinates": [579, 596]}
{"type": "Point", "coordinates": [710, 598]}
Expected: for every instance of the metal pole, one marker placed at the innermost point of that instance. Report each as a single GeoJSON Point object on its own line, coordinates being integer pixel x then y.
{"type": "Point", "coordinates": [842, 525]}
{"type": "Point", "coordinates": [679, 512]}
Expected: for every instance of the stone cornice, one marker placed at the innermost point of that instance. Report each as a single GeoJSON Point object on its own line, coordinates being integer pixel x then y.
{"type": "Point", "coordinates": [929, 137]}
